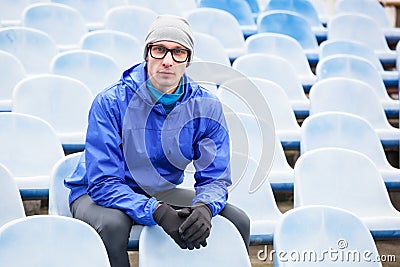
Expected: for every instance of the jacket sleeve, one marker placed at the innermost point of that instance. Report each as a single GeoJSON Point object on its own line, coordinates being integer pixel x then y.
{"type": "Point", "coordinates": [212, 159]}
{"type": "Point", "coordinates": [105, 166]}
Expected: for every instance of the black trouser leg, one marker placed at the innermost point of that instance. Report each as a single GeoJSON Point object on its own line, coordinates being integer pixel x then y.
{"type": "Point", "coordinates": [240, 219]}
{"type": "Point", "coordinates": [112, 225]}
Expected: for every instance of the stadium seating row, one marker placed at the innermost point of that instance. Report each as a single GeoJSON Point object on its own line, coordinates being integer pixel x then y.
{"type": "Point", "coordinates": [371, 213]}
{"type": "Point", "coordinates": [252, 170]}
{"type": "Point", "coordinates": [298, 19]}
{"type": "Point", "coordinates": [64, 102]}
{"type": "Point", "coordinates": [341, 141]}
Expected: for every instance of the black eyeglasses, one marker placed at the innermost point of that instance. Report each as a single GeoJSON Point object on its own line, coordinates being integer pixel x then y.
{"type": "Point", "coordinates": [179, 55]}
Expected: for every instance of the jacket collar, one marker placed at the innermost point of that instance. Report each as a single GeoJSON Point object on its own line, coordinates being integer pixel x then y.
{"type": "Point", "coordinates": [135, 78]}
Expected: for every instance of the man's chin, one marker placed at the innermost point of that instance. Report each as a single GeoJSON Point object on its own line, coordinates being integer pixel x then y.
{"type": "Point", "coordinates": [166, 87]}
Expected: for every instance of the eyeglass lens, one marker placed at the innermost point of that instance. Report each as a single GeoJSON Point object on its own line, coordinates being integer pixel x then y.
{"type": "Point", "coordinates": [178, 54]}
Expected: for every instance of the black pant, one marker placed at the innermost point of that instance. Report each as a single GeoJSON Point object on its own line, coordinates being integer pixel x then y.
{"type": "Point", "coordinates": [114, 226]}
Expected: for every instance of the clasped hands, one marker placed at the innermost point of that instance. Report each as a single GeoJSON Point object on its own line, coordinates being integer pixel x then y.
{"type": "Point", "coordinates": [188, 227]}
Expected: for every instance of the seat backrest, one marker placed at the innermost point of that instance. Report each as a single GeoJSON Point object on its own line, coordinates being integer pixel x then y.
{"type": "Point", "coordinates": [52, 18]}
{"type": "Point", "coordinates": [283, 46]}
{"type": "Point", "coordinates": [93, 17]}
{"type": "Point", "coordinates": [11, 10]}
{"type": "Point", "coordinates": [357, 27]}
{"type": "Point", "coordinates": [254, 6]}
{"type": "Point", "coordinates": [174, 7]}
{"type": "Point", "coordinates": [32, 154]}
{"type": "Point", "coordinates": [281, 174]}
{"type": "Point", "coordinates": [220, 24]}
{"type": "Point", "coordinates": [339, 94]}
{"type": "Point", "coordinates": [282, 113]}
{"type": "Point", "coordinates": [34, 48]}
{"type": "Point", "coordinates": [348, 47]}
{"type": "Point", "coordinates": [58, 193]}
{"type": "Point", "coordinates": [245, 134]}
{"type": "Point", "coordinates": [120, 19]}
{"type": "Point", "coordinates": [240, 9]}
{"type": "Point", "coordinates": [323, 10]}
{"type": "Point", "coordinates": [203, 52]}
{"type": "Point", "coordinates": [341, 178]}
{"type": "Point", "coordinates": [289, 23]}
{"type": "Point", "coordinates": [11, 205]}
{"type": "Point", "coordinates": [223, 234]}
{"type": "Point", "coordinates": [47, 240]}
{"type": "Point", "coordinates": [343, 130]}
{"type": "Point", "coordinates": [248, 137]}
{"type": "Point", "coordinates": [61, 101]}
{"type": "Point", "coordinates": [302, 7]}
{"type": "Point", "coordinates": [275, 69]}
{"type": "Point", "coordinates": [241, 96]}
{"type": "Point", "coordinates": [243, 169]}
{"type": "Point", "coordinates": [142, 3]}
{"type": "Point", "coordinates": [354, 67]}
{"type": "Point", "coordinates": [371, 8]}
{"type": "Point", "coordinates": [11, 72]}
{"type": "Point", "coordinates": [125, 49]}
{"type": "Point", "coordinates": [311, 230]}
{"type": "Point", "coordinates": [94, 69]}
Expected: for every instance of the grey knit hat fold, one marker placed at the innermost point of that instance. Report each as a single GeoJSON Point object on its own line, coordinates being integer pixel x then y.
{"type": "Point", "coordinates": [170, 28]}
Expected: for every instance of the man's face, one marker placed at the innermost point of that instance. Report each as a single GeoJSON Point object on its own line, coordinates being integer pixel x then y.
{"type": "Point", "coordinates": [165, 73]}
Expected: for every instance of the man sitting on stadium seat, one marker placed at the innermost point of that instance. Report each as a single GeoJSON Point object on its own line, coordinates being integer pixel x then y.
{"type": "Point", "coordinates": [142, 133]}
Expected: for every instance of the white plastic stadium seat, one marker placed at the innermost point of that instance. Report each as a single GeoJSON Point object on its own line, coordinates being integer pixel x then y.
{"type": "Point", "coordinates": [47, 240]}
{"type": "Point", "coordinates": [278, 70]}
{"type": "Point", "coordinates": [58, 193]}
{"type": "Point", "coordinates": [95, 69]}
{"type": "Point", "coordinates": [349, 180]}
{"type": "Point", "coordinates": [363, 29]}
{"type": "Point", "coordinates": [220, 24]}
{"type": "Point", "coordinates": [11, 206]}
{"type": "Point", "coordinates": [306, 234]}
{"type": "Point", "coordinates": [286, 47]}
{"type": "Point", "coordinates": [11, 72]}
{"type": "Point", "coordinates": [92, 11]}
{"type": "Point", "coordinates": [347, 47]}
{"type": "Point", "coordinates": [340, 94]}
{"type": "Point", "coordinates": [63, 23]}
{"type": "Point", "coordinates": [223, 235]}
{"type": "Point", "coordinates": [34, 48]}
{"type": "Point", "coordinates": [62, 101]}
{"type": "Point", "coordinates": [29, 157]}
{"type": "Point", "coordinates": [350, 131]}
{"type": "Point", "coordinates": [120, 19]}
{"type": "Point", "coordinates": [125, 49]}
{"type": "Point", "coordinates": [355, 67]}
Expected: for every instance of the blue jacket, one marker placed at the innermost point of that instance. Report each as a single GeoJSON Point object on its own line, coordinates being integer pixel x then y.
{"type": "Point", "coordinates": [134, 149]}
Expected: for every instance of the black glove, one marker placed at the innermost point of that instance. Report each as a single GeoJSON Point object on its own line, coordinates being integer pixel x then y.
{"type": "Point", "coordinates": [169, 220]}
{"type": "Point", "coordinates": [196, 228]}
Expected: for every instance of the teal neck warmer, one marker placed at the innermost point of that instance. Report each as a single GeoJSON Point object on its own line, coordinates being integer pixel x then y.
{"type": "Point", "coordinates": [167, 100]}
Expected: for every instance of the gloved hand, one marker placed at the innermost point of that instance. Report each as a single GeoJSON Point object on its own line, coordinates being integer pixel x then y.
{"type": "Point", "coordinates": [168, 218]}
{"type": "Point", "coordinates": [196, 228]}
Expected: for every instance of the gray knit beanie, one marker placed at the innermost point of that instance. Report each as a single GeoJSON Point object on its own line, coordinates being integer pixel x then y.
{"type": "Point", "coordinates": [170, 28]}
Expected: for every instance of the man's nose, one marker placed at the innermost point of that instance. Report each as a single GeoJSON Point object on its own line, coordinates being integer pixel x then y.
{"type": "Point", "coordinates": [168, 60]}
